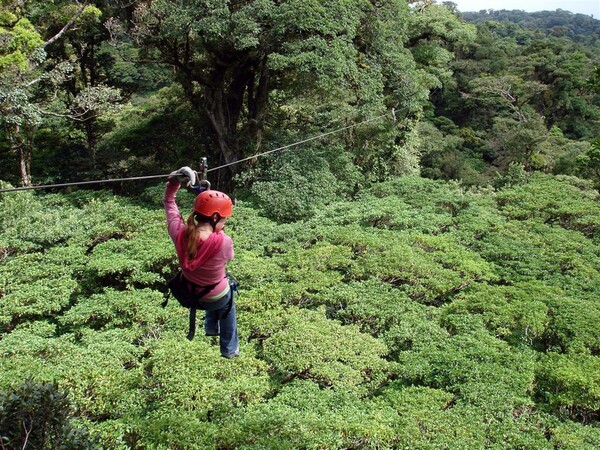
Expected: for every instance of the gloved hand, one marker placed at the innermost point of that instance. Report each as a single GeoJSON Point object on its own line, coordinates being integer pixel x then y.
{"type": "Point", "coordinates": [203, 185]}
{"type": "Point", "coordinates": [198, 189]}
{"type": "Point", "coordinates": [185, 176]}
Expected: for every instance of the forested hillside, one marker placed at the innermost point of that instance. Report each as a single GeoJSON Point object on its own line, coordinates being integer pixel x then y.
{"type": "Point", "coordinates": [579, 27]}
{"type": "Point", "coordinates": [524, 92]}
{"type": "Point", "coordinates": [425, 275]}
{"type": "Point", "coordinates": [113, 89]}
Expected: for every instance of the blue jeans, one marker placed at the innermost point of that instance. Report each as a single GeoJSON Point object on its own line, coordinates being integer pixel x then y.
{"type": "Point", "coordinates": [222, 323]}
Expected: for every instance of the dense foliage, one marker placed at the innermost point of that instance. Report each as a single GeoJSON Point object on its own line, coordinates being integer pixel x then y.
{"type": "Point", "coordinates": [557, 23]}
{"type": "Point", "coordinates": [523, 92]}
{"type": "Point", "coordinates": [378, 309]}
{"type": "Point", "coordinates": [139, 87]}
{"type": "Point", "coordinates": [419, 315]}
{"type": "Point", "coordinates": [36, 415]}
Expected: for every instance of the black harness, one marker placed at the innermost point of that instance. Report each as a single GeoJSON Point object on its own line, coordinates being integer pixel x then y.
{"type": "Point", "coordinates": [189, 295]}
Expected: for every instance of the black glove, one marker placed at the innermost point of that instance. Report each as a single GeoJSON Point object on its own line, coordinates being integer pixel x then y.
{"type": "Point", "coordinates": [185, 176]}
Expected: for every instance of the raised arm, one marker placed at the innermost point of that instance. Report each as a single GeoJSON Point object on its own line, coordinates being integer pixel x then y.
{"type": "Point", "coordinates": [174, 219]}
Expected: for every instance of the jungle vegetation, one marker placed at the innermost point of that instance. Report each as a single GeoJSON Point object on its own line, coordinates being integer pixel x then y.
{"type": "Point", "coordinates": [428, 279]}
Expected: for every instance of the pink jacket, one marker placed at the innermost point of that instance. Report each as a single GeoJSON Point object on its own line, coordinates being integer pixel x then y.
{"type": "Point", "coordinates": [209, 272]}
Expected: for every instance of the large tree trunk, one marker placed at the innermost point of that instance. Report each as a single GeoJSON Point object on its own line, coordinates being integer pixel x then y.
{"type": "Point", "coordinates": [218, 111]}
{"type": "Point", "coordinates": [258, 100]}
{"type": "Point", "coordinates": [25, 165]}
{"type": "Point", "coordinates": [22, 153]}
{"type": "Point", "coordinates": [223, 104]}
{"type": "Point", "coordinates": [87, 69]}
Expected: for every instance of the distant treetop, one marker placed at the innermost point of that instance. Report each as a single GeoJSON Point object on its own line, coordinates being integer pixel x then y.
{"type": "Point", "coordinates": [561, 22]}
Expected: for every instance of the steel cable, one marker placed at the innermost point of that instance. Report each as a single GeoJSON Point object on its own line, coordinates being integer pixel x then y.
{"type": "Point", "coordinates": [112, 180]}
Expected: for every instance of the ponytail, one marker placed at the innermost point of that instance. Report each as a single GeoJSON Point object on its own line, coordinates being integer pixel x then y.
{"type": "Point", "coordinates": [191, 235]}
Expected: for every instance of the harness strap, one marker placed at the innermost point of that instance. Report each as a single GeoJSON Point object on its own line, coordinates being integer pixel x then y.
{"type": "Point", "coordinates": [166, 302]}
{"type": "Point", "coordinates": [233, 289]}
{"type": "Point", "coordinates": [199, 294]}
{"type": "Point", "coordinates": [192, 329]}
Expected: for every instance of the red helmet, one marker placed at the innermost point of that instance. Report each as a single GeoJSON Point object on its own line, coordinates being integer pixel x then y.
{"type": "Point", "coordinates": [210, 202]}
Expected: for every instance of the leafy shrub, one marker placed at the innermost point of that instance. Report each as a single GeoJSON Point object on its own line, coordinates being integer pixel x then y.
{"type": "Point", "coordinates": [429, 269]}
{"type": "Point", "coordinates": [40, 299]}
{"type": "Point", "coordinates": [116, 309]}
{"type": "Point", "coordinates": [561, 201]}
{"type": "Point", "coordinates": [140, 261]}
{"type": "Point", "coordinates": [306, 345]}
{"type": "Point", "coordinates": [574, 325]}
{"type": "Point", "coordinates": [38, 415]}
{"type": "Point", "coordinates": [517, 313]}
{"type": "Point", "coordinates": [190, 385]}
{"type": "Point", "coordinates": [522, 251]}
{"type": "Point", "coordinates": [299, 187]}
{"type": "Point", "coordinates": [420, 315]}
{"type": "Point", "coordinates": [472, 363]}
{"type": "Point", "coordinates": [384, 312]}
{"type": "Point", "coordinates": [571, 385]}
{"type": "Point", "coordinates": [574, 436]}
{"type": "Point", "coordinates": [306, 415]}
{"type": "Point", "coordinates": [100, 371]}
{"type": "Point", "coordinates": [433, 418]}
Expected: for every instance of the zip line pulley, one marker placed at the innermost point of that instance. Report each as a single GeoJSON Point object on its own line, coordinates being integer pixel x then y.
{"type": "Point", "coordinates": [203, 182]}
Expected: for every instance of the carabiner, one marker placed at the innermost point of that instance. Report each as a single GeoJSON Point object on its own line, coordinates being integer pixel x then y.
{"type": "Point", "coordinates": [203, 182]}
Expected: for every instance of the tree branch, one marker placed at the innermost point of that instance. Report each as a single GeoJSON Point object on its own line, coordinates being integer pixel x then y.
{"type": "Point", "coordinates": [68, 25]}
{"type": "Point", "coordinates": [75, 117]}
{"type": "Point", "coordinates": [27, 433]}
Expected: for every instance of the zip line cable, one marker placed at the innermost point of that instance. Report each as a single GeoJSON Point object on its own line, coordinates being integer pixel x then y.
{"type": "Point", "coordinates": [79, 183]}
{"type": "Point", "coordinates": [112, 180]}
{"type": "Point", "coordinates": [298, 143]}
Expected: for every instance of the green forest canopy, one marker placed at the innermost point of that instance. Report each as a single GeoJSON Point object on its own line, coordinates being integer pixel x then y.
{"type": "Point", "coordinates": [429, 282]}
{"type": "Point", "coordinates": [122, 92]}
{"type": "Point", "coordinates": [419, 315]}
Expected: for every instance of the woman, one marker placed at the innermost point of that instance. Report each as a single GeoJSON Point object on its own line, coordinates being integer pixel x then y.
{"type": "Point", "coordinates": [203, 250]}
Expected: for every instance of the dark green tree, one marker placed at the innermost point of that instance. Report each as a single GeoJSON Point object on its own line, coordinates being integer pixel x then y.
{"type": "Point", "coordinates": [32, 79]}
{"type": "Point", "coordinates": [37, 416]}
{"type": "Point", "coordinates": [246, 65]}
